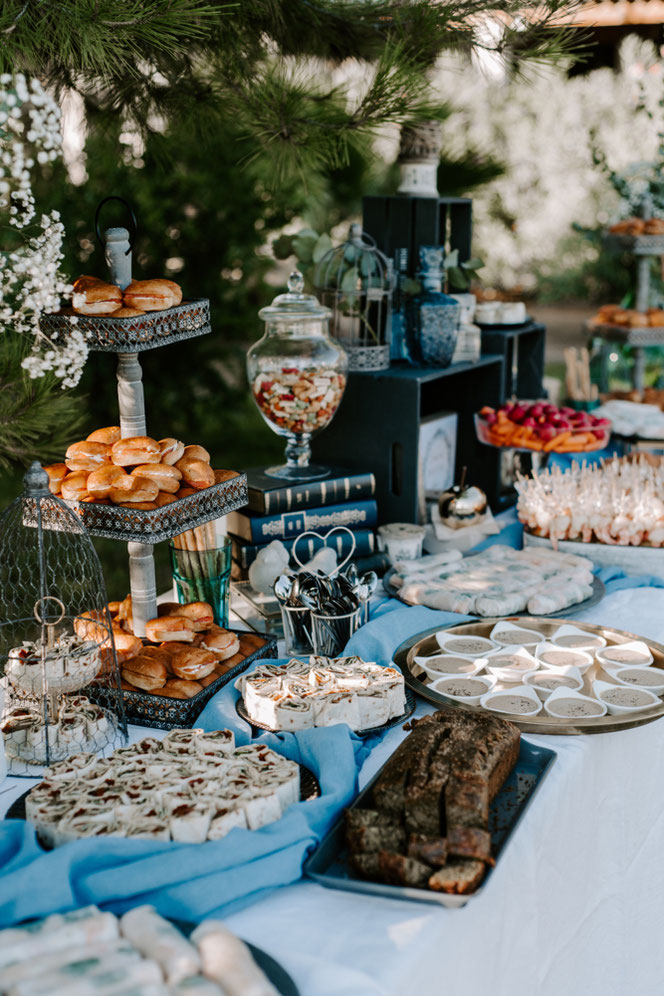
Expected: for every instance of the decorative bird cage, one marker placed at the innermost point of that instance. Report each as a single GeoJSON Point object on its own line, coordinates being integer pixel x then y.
{"type": "Point", "coordinates": [355, 281]}
{"type": "Point", "coordinates": [60, 677]}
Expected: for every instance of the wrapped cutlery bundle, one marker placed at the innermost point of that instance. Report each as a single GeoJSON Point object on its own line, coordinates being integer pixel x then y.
{"type": "Point", "coordinates": [89, 953]}
{"type": "Point", "coordinates": [499, 581]}
{"type": "Point", "coordinates": [191, 787]}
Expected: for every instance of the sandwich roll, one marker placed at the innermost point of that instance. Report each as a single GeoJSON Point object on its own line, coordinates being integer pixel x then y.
{"type": "Point", "coordinates": [185, 492]}
{"type": "Point", "coordinates": [152, 295]}
{"type": "Point", "coordinates": [74, 486]}
{"type": "Point", "coordinates": [141, 489]}
{"type": "Point", "coordinates": [166, 478]}
{"type": "Point", "coordinates": [192, 663]}
{"type": "Point", "coordinates": [197, 453]}
{"type": "Point", "coordinates": [169, 628]}
{"type": "Point", "coordinates": [159, 654]}
{"type": "Point", "coordinates": [196, 473]}
{"type": "Point", "coordinates": [145, 673]}
{"type": "Point", "coordinates": [171, 450]}
{"type": "Point", "coordinates": [187, 689]}
{"type": "Point", "coordinates": [126, 644]}
{"type": "Point", "coordinates": [87, 455]}
{"type": "Point", "coordinates": [109, 435]}
{"type": "Point", "coordinates": [100, 482]}
{"type": "Point", "coordinates": [127, 313]}
{"type": "Point", "coordinates": [56, 475]}
{"type": "Point", "coordinates": [142, 506]}
{"type": "Point", "coordinates": [114, 608]}
{"type": "Point", "coordinates": [221, 642]}
{"type": "Point", "coordinates": [92, 296]}
{"type": "Point", "coordinates": [135, 450]}
{"type": "Point", "coordinates": [91, 625]}
{"type": "Point", "coordinates": [200, 614]}
{"type": "Point", "coordinates": [164, 498]}
{"type": "Point", "coordinates": [168, 609]}
{"type": "Point", "coordinates": [220, 476]}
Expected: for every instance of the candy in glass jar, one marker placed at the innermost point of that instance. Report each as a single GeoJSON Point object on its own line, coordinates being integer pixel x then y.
{"type": "Point", "coordinates": [297, 375]}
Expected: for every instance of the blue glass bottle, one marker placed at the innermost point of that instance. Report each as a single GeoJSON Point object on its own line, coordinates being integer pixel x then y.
{"type": "Point", "coordinates": [432, 317]}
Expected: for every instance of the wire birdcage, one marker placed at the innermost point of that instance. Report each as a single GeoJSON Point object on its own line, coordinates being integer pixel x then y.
{"type": "Point", "coordinates": [60, 676]}
{"type": "Point", "coordinates": [355, 281]}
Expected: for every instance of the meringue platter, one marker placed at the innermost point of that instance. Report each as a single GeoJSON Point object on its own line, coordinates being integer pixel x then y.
{"type": "Point", "coordinates": [576, 677]}
{"type": "Point", "coordinates": [323, 691]}
{"type": "Point", "coordinates": [193, 786]}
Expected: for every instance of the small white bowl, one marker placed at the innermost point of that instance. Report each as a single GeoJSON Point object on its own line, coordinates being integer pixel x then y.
{"type": "Point", "coordinates": [580, 658]}
{"type": "Point", "coordinates": [480, 645]}
{"type": "Point", "coordinates": [524, 664]}
{"type": "Point", "coordinates": [523, 637]}
{"type": "Point", "coordinates": [567, 693]}
{"type": "Point", "coordinates": [637, 646]}
{"type": "Point", "coordinates": [499, 701]}
{"type": "Point", "coordinates": [551, 674]}
{"type": "Point", "coordinates": [603, 688]}
{"type": "Point", "coordinates": [441, 686]}
{"type": "Point", "coordinates": [631, 675]}
{"type": "Point", "coordinates": [596, 642]}
{"type": "Point", "coordinates": [439, 666]}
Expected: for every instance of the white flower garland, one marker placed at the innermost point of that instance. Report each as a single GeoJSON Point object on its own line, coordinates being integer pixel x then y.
{"type": "Point", "coordinates": [30, 279]}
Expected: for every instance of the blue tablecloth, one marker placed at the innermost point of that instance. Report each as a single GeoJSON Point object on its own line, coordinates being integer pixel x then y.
{"type": "Point", "coordinates": [186, 881]}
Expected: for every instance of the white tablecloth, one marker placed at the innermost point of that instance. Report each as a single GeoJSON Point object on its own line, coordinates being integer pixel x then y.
{"type": "Point", "coordinates": [574, 906]}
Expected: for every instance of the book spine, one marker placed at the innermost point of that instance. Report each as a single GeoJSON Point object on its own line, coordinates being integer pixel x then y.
{"type": "Point", "coordinates": [365, 544]}
{"type": "Point", "coordinates": [355, 487]}
{"type": "Point", "coordinates": [262, 529]}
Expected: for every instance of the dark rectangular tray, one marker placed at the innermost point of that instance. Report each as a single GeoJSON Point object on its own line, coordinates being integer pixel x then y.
{"type": "Point", "coordinates": [328, 864]}
{"type": "Point", "coordinates": [164, 713]}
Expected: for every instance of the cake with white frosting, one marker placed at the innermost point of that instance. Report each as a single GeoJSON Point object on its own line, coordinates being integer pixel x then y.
{"type": "Point", "coordinates": [323, 692]}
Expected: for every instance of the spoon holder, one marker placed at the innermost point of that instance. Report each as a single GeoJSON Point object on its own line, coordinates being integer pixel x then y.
{"type": "Point", "coordinates": [296, 621]}
{"type": "Point", "coordinates": [330, 634]}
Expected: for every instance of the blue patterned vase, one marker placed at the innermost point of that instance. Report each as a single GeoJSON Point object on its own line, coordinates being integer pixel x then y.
{"type": "Point", "coordinates": [432, 317]}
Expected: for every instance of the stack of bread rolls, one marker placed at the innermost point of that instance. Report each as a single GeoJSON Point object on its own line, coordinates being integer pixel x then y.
{"type": "Point", "coordinates": [92, 296]}
{"type": "Point", "coordinates": [137, 472]}
{"type": "Point", "coordinates": [613, 314]}
{"type": "Point", "coordinates": [183, 651]}
{"type": "Point", "coordinates": [638, 226]}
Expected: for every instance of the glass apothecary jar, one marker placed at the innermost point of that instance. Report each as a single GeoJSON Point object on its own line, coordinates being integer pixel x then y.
{"type": "Point", "coordinates": [297, 375]}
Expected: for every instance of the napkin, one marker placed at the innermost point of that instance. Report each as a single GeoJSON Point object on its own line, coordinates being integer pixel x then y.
{"type": "Point", "coordinates": [186, 881]}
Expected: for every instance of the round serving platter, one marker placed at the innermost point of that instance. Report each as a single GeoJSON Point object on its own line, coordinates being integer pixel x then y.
{"type": "Point", "coordinates": [424, 644]}
{"type": "Point", "coordinates": [643, 558]}
{"type": "Point", "coordinates": [599, 591]}
{"type": "Point", "coordinates": [372, 731]}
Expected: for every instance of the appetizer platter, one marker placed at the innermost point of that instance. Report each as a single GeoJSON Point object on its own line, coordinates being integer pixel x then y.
{"type": "Point", "coordinates": [324, 691]}
{"type": "Point", "coordinates": [193, 786]}
{"type": "Point", "coordinates": [541, 427]}
{"type": "Point", "coordinates": [543, 676]}
{"type": "Point", "coordinates": [499, 581]}
{"type": "Point", "coordinates": [87, 952]}
{"type": "Point", "coordinates": [435, 843]}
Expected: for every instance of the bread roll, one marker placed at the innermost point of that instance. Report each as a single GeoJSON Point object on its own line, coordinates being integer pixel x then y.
{"type": "Point", "coordinates": [141, 489]}
{"type": "Point", "coordinates": [185, 492]}
{"type": "Point", "coordinates": [87, 455]}
{"type": "Point", "coordinates": [196, 473]}
{"type": "Point", "coordinates": [199, 613]}
{"type": "Point", "coordinates": [192, 662]}
{"type": "Point", "coordinates": [145, 673]}
{"type": "Point", "coordinates": [135, 450]}
{"type": "Point", "coordinates": [197, 453]}
{"type": "Point", "coordinates": [220, 476]}
{"type": "Point", "coordinates": [152, 295]}
{"type": "Point", "coordinates": [126, 644]}
{"type": "Point", "coordinates": [171, 450]}
{"type": "Point", "coordinates": [92, 296]}
{"type": "Point", "coordinates": [168, 609]}
{"type": "Point", "coordinates": [56, 475]}
{"type": "Point", "coordinates": [159, 654]}
{"type": "Point", "coordinates": [109, 435]}
{"type": "Point", "coordinates": [100, 482]}
{"type": "Point", "coordinates": [169, 628]}
{"type": "Point", "coordinates": [186, 688]}
{"type": "Point", "coordinates": [125, 616]}
{"type": "Point", "coordinates": [221, 642]}
{"type": "Point", "coordinates": [127, 313]}
{"type": "Point", "coordinates": [142, 506]}
{"type": "Point", "coordinates": [92, 625]}
{"type": "Point", "coordinates": [114, 608]}
{"type": "Point", "coordinates": [166, 478]}
{"type": "Point", "coordinates": [74, 486]}
{"type": "Point", "coordinates": [164, 498]}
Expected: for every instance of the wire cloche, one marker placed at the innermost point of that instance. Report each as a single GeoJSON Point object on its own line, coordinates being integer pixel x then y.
{"type": "Point", "coordinates": [60, 677]}
{"type": "Point", "coordinates": [355, 281]}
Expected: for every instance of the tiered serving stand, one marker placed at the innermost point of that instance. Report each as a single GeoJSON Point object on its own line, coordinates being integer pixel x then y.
{"type": "Point", "coordinates": [127, 337]}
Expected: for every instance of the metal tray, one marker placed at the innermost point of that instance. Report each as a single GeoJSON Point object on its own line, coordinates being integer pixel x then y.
{"type": "Point", "coordinates": [145, 526]}
{"type": "Point", "coordinates": [424, 643]}
{"type": "Point", "coordinates": [328, 865]}
{"type": "Point", "coordinates": [645, 335]}
{"type": "Point", "coordinates": [639, 245]}
{"type": "Point", "coordinates": [106, 334]}
{"type": "Point", "coordinates": [642, 559]}
{"type": "Point", "coordinates": [372, 731]}
{"type": "Point", "coordinates": [164, 713]}
{"type": "Point", "coordinates": [599, 591]}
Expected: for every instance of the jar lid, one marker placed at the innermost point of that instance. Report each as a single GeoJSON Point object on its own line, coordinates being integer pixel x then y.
{"type": "Point", "coordinates": [294, 304]}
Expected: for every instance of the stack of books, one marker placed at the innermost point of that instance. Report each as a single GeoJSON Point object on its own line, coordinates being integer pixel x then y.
{"type": "Point", "coordinates": [280, 511]}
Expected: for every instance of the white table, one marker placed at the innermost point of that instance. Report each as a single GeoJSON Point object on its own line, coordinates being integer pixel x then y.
{"type": "Point", "coordinates": [573, 908]}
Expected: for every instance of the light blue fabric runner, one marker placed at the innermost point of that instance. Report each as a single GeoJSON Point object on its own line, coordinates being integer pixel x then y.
{"type": "Point", "coordinates": [186, 881]}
